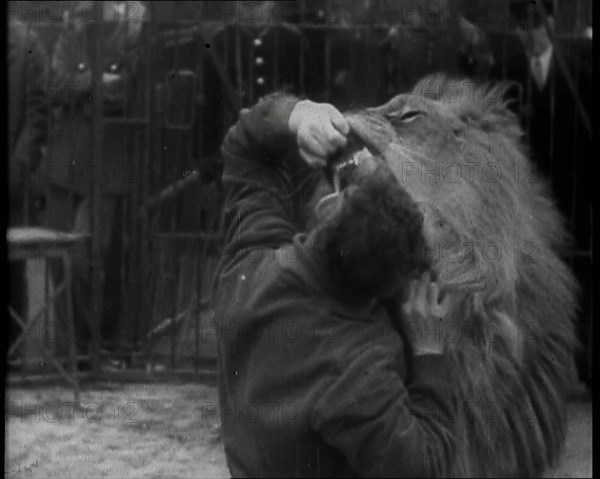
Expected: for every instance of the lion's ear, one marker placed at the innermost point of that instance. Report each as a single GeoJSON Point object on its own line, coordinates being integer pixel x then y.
{"type": "Point", "coordinates": [486, 107]}
{"type": "Point", "coordinates": [433, 87]}
{"type": "Point", "coordinates": [481, 105]}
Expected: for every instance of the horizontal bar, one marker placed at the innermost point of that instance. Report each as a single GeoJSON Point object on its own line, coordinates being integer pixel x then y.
{"type": "Point", "coordinates": [582, 254]}
{"type": "Point", "coordinates": [126, 121]}
{"type": "Point", "coordinates": [193, 235]}
{"type": "Point", "coordinates": [169, 192]}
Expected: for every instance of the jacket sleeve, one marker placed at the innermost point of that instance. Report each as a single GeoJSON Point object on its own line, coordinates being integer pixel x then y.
{"type": "Point", "coordinates": [386, 429]}
{"type": "Point", "coordinates": [262, 175]}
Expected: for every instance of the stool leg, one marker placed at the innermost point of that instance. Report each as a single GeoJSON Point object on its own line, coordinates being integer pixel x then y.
{"type": "Point", "coordinates": [71, 327]}
{"type": "Point", "coordinates": [25, 303]}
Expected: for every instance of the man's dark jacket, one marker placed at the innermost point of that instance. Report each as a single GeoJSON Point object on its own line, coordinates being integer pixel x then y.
{"type": "Point", "coordinates": [312, 382]}
{"type": "Point", "coordinates": [27, 76]}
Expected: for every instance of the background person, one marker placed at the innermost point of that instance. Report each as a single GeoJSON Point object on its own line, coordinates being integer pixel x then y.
{"type": "Point", "coordinates": [27, 133]}
{"type": "Point", "coordinates": [561, 147]}
{"type": "Point", "coordinates": [28, 114]}
{"type": "Point", "coordinates": [71, 165]}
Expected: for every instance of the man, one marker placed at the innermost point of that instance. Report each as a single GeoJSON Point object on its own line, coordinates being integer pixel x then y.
{"type": "Point", "coordinates": [561, 146]}
{"type": "Point", "coordinates": [28, 113]}
{"type": "Point", "coordinates": [313, 378]}
{"type": "Point", "coordinates": [27, 133]}
{"type": "Point", "coordinates": [71, 165]}
{"type": "Point", "coordinates": [551, 115]}
{"type": "Point", "coordinates": [432, 36]}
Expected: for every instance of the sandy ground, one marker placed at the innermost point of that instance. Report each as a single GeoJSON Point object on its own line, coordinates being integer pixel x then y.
{"type": "Point", "coordinates": [153, 430]}
{"type": "Point", "coordinates": [161, 430]}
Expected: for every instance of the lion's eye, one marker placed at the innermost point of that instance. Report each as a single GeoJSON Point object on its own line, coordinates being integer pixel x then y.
{"type": "Point", "coordinates": [410, 115]}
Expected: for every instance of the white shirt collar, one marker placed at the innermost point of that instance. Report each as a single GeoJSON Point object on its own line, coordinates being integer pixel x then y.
{"type": "Point", "coordinates": [545, 59]}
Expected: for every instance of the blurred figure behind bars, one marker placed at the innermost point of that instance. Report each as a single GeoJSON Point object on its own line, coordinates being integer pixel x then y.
{"type": "Point", "coordinates": [27, 75]}
{"type": "Point", "coordinates": [433, 36]}
{"type": "Point", "coordinates": [27, 115]}
{"type": "Point", "coordinates": [560, 145]}
{"type": "Point", "coordinates": [71, 166]}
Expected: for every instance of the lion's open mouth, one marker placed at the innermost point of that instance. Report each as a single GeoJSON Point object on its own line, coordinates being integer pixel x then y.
{"type": "Point", "coordinates": [343, 173]}
{"type": "Point", "coordinates": [347, 172]}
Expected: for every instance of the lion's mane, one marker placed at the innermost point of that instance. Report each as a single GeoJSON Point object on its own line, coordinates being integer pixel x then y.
{"type": "Point", "coordinates": [497, 239]}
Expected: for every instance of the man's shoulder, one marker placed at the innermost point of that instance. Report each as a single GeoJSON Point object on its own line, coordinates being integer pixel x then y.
{"type": "Point", "coordinates": [17, 30]}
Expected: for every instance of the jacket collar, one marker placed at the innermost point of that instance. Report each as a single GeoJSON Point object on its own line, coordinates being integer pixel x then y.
{"type": "Point", "coordinates": [300, 260]}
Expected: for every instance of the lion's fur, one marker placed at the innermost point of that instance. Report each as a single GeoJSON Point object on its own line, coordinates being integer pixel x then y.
{"type": "Point", "coordinates": [496, 239]}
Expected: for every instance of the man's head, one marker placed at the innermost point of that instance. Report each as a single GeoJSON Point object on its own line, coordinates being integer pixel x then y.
{"type": "Point", "coordinates": [530, 25]}
{"type": "Point", "coordinates": [371, 241]}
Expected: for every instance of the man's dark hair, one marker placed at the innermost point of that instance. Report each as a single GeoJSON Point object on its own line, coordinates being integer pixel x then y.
{"type": "Point", "coordinates": [375, 242]}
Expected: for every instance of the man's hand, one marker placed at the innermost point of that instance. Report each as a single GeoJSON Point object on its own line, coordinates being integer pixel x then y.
{"type": "Point", "coordinates": [425, 316]}
{"type": "Point", "coordinates": [320, 130]}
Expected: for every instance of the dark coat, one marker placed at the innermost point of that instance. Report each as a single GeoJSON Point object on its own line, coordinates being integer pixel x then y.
{"type": "Point", "coordinates": [312, 382]}
{"type": "Point", "coordinates": [456, 48]}
{"type": "Point", "coordinates": [341, 66]}
{"type": "Point", "coordinates": [71, 163]}
{"type": "Point", "coordinates": [560, 145]}
{"type": "Point", "coordinates": [28, 108]}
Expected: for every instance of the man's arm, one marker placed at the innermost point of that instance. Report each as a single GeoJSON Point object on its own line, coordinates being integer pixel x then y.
{"type": "Point", "coordinates": [258, 213]}
{"type": "Point", "coordinates": [383, 427]}
{"type": "Point", "coordinates": [386, 429]}
{"type": "Point", "coordinates": [264, 174]}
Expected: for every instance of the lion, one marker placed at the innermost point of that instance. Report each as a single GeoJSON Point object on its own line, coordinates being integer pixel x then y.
{"type": "Point", "coordinates": [494, 235]}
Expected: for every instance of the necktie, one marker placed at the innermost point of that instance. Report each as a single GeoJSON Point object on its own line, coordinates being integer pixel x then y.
{"type": "Point", "coordinates": [536, 71]}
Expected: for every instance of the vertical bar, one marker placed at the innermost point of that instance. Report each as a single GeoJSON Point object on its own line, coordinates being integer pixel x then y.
{"type": "Point", "coordinates": [551, 158]}
{"type": "Point", "coordinates": [123, 326]}
{"type": "Point", "coordinates": [71, 325]}
{"type": "Point", "coordinates": [327, 66]}
{"type": "Point", "coordinates": [47, 283]}
{"type": "Point", "coordinates": [302, 62]}
{"type": "Point", "coordinates": [24, 365]}
{"type": "Point", "coordinates": [130, 256]}
{"type": "Point", "coordinates": [69, 122]}
{"type": "Point", "coordinates": [172, 248]}
{"type": "Point", "coordinates": [196, 310]}
{"type": "Point", "coordinates": [505, 62]}
{"type": "Point", "coordinates": [140, 187]}
{"type": "Point", "coordinates": [238, 67]}
{"type": "Point", "coordinates": [180, 303]}
{"type": "Point", "coordinates": [144, 269]}
{"type": "Point", "coordinates": [359, 47]}
{"type": "Point", "coordinates": [276, 59]}
{"type": "Point", "coordinates": [24, 171]}
{"type": "Point", "coordinates": [224, 54]}
{"type": "Point", "coordinates": [96, 58]}
{"type": "Point", "coordinates": [198, 264]}
{"type": "Point", "coordinates": [156, 293]}
{"type": "Point", "coordinates": [175, 300]}
{"type": "Point", "coordinates": [528, 105]}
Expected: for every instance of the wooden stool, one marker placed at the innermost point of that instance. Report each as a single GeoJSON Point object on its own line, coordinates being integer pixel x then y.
{"type": "Point", "coordinates": [27, 244]}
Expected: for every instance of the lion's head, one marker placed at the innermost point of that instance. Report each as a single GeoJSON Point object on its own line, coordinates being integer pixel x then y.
{"type": "Point", "coordinates": [494, 236]}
